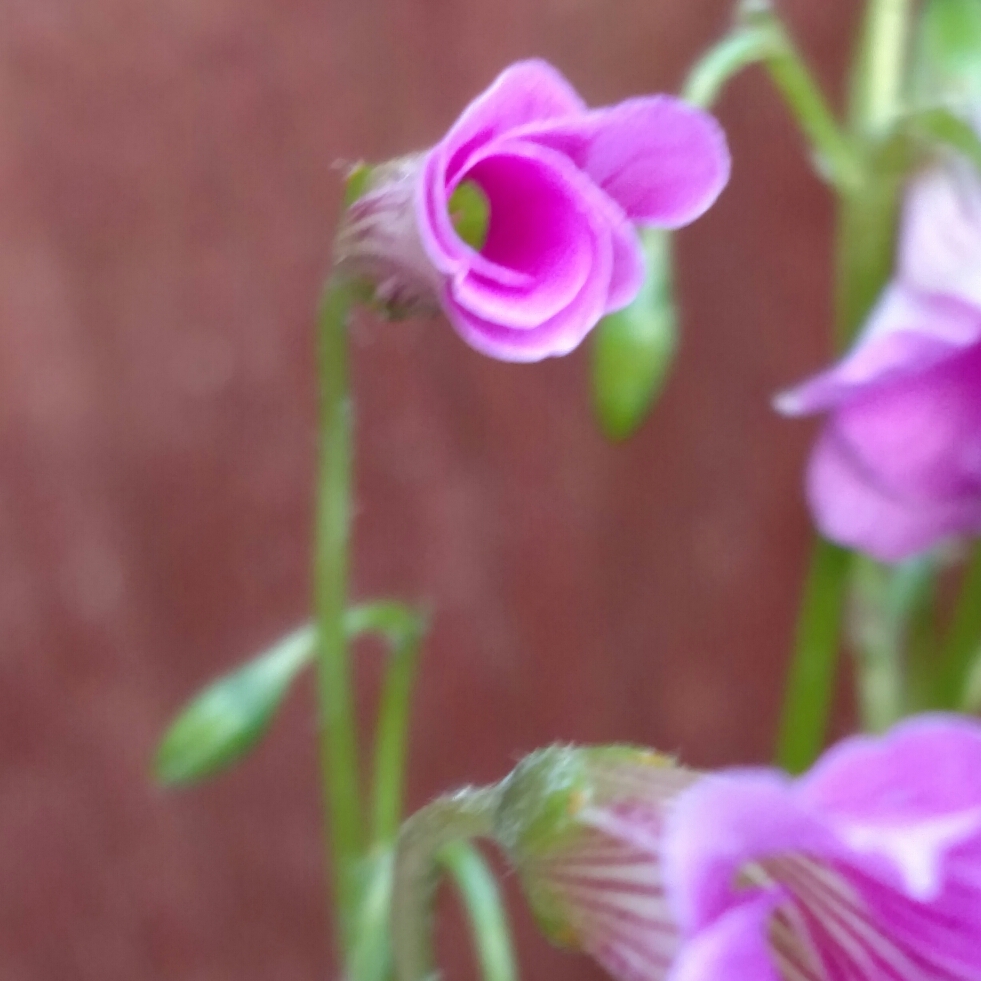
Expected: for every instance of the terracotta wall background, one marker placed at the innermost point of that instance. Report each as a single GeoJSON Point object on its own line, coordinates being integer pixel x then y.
{"type": "Point", "coordinates": [167, 194]}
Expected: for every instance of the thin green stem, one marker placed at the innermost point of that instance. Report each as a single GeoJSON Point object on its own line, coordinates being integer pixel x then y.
{"type": "Point", "coordinates": [338, 728]}
{"type": "Point", "coordinates": [835, 156]}
{"type": "Point", "coordinates": [890, 631]}
{"type": "Point", "coordinates": [810, 686]}
{"type": "Point", "coordinates": [880, 70]}
{"type": "Point", "coordinates": [743, 47]}
{"type": "Point", "coordinates": [761, 37]}
{"type": "Point", "coordinates": [459, 817]}
{"type": "Point", "coordinates": [391, 735]}
{"type": "Point", "coordinates": [485, 910]}
{"type": "Point", "coordinates": [876, 635]}
{"type": "Point", "coordinates": [963, 639]}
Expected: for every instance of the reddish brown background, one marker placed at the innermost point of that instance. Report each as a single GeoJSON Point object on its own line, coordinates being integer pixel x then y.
{"type": "Point", "coordinates": [167, 195]}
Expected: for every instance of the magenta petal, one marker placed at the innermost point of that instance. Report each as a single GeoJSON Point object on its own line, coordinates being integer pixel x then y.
{"type": "Point", "coordinates": [628, 272]}
{"type": "Point", "coordinates": [925, 766]}
{"type": "Point", "coordinates": [734, 948]}
{"type": "Point", "coordinates": [527, 92]}
{"type": "Point", "coordinates": [555, 337]}
{"type": "Point", "coordinates": [663, 161]}
{"type": "Point", "coordinates": [920, 437]}
{"type": "Point", "coordinates": [940, 242]}
{"type": "Point", "coordinates": [910, 798]}
{"type": "Point", "coordinates": [541, 227]}
{"type": "Point", "coordinates": [852, 509]}
{"type": "Point", "coordinates": [718, 826]}
{"type": "Point", "coordinates": [906, 333]}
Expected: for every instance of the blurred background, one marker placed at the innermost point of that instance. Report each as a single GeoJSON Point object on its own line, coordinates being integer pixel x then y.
{"type": "Point", "coordinates": [168, 188]}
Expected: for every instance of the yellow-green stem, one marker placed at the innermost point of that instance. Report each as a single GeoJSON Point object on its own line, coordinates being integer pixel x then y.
{"type": "Point", "coordinates": [337, 722]}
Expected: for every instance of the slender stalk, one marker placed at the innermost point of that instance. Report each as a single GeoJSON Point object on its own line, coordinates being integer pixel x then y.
{"type": "Point", "coordinates": [743, 47]}
{"type": "Point", "coordinates": [459, 817]}
{"type": "Point", "coordinates": [963, 639]}
{"type": "Point", "coordinates": [391, 735]}
{"type": "Point", "coordinates": [880, 69]}
{"type": "Point", "coordinates": [761, 37]}
{"type": "Point", "coordinates": [338, 733]}
{"type": "Point", "coordinates": [485, 910]}
{"type": "Point", "coordinates": [810, 686]}
{"type": "Point", "coordinates": [876, 631]}
{"type": "Point", "coordinates": [834, 153]}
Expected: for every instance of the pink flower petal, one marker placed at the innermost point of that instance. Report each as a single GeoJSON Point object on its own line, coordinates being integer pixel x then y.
{"type": "Point", "coordinates": [554, 337]}
{"type": "Point", "coordinates": [526, 92]}
{"type": "Point", "coordinates": [850, 507]}
{"type": "Point", "coordinates": [864, 787]}
{"type": "Point", "coordinates": [734, 948]}
{"type": "Point", "coordinates": [541, 227]}
{"type": "Point", "coordinates": [663, 161]}
{"type": "Point", "coordinates": [871, 864]}
{"type": "Point", "coordinates": [920, 436]}
{"type": "Point", "coordinates": [907, 333]}
{"type": "Point", "coordinates": [546, 217]}
{"type": "Point", "coordinates": [724, 822]}
{"type": "Point", "coordinates": [940, 241]}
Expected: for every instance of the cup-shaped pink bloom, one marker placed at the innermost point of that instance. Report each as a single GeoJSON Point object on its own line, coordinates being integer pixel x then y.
{"type": "Point", "coordinates": [897, 467]}
{"type": "Point", "coordinates": [868, 868]}
{"type": "Point", "coordinates": [566, 187]}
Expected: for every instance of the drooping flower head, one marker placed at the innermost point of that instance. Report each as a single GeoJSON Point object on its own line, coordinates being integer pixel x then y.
{"type": "Point", "coordinates": [868, 868]}
{"type": "Point", "coordinates": [898, 465]}
{"type": "Point", "coordinates": [563, 188]}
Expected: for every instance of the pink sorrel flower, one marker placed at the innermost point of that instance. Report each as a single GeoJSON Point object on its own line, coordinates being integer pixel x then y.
{"type": "Point", "coordinates": [898, 465]}
{"type": "Point", "coordinates": [565, 188]}
{"type": "Point", "coordinates": [868, 868]}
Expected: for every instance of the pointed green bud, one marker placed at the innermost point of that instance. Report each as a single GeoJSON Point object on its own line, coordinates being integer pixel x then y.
{"type": "Point", "coordinates": [224, 721]}
{"type": "Point", "coordinates": [582, 828]}
{"type": "Point", "coordinates": [634, 348]}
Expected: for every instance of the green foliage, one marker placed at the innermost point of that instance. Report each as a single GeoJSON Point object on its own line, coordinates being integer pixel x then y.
{"type": "Point", "coordinates": [634, 348]}
{"type": "Point", "coordinates": [948, 53]}
{"type": "Point", "coordinates": [225, 720]}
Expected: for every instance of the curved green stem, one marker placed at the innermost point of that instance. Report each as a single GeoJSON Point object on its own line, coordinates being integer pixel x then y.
{"type": "Point", "coordinates": [485, 910]}
{"type": "Point", "coordinates": [391, 735]}
{"type": "Point", "coordinates": [743, 47]}
{"type": "Point", "coordinates": [458, 817]}
{"type": "Point", "coordinates": [338, 728]}
{"type": "Point", "coordinates": [761, 37]}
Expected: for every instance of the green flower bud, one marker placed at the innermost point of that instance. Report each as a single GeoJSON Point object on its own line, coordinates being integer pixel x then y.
{"type": "Point", "coordinates": [564, 812]}
{"type": "Point", "coordinates": [634, 348]}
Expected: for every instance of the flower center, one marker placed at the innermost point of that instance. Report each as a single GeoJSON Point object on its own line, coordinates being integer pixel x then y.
{"type": "Point", "coordinates": [470, 213]}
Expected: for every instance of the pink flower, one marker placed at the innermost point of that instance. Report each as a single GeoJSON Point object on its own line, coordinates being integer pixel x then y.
{"type": "Point", "coordinates": [898, 465]}
{"type": "Point", "coordinates": [566, 187]}
{"type": "Point", "coordinates": [868, 868]}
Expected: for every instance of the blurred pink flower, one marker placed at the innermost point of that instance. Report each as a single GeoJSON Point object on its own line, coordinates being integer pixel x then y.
{"type": "Point", "coordinates": [897, 467]}
{"type": "Point", "coordinates": [867, 868]}
{"type": "Point", "coordinates": [565, 187]}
